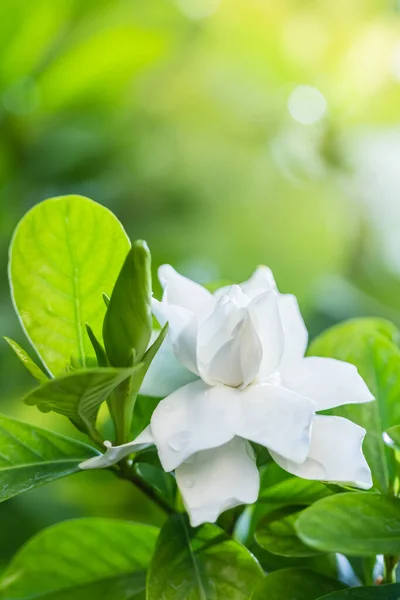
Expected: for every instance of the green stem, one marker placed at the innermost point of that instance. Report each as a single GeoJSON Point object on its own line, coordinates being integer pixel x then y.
{"type": "Point", "coordinates": [391, 563]}
{"type": "Point", "coordinates": [126, 472]}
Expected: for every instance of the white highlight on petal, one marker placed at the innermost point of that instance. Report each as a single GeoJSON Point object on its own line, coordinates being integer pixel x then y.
{"type": "Point", "coordinates": [195, 417]}
{"type": "Point", "coordinates": [277, 419]}
{"type": "Point", "coordinates": [328, 381]}
{"type": "Point", "coordinates": [114, 454]}
{"type": "Point", "coordinates": [307, 105]}
{"type": "Point", "coordinates": [335, 454]}
{"type": "Point", "coordinates": [215, 480]}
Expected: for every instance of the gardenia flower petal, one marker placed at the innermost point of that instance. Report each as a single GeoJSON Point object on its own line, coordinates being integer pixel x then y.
{"type": "Point", "coordinates": [328, 381]}
{"type": "Point", "coordinates": [215, 480]}
{"type": "Point", "coordinates": [195, 417]}
{"type": "Point", "coordinates": [296, 334]}
{"type": "Point", "coordinates": [114, 454]}
{"type": "Point", "coordinates": [229, 350]}
{"type": "Point", "coordinates": [165, 374]}
{"type": "Point", "coordinates": [183, 292]}
{"type": "Point", "coordinates": [265, 314]}
{"type": "Point", "coordinates": [260, 282]}
{"type": "Point", "coordinates": [335, 454]}
{"type": "Point", "coordinates": [278, 419]}
{"type": "Point", "coordinates": [182, 332]}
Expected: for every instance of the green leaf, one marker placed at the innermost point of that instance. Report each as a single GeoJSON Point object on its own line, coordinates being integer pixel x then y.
{"type": "Point", "coordinates": [384, 592]}
{"type": "Point", "coordinates": [355, 523]}
{"type": "Point", "coordinates": [84, 559]}
{"type": "Point", "coordinates": [78, 395]}
{"type": "Point", "coordinates": [277, 534]}
{"type": "Point", "coordinates": [391, 437]}
{"type": "Point", "coordinates": [295, 584]}
{"type": "Point", "coordinates": [128, 321]}
{"type": "Point", "coordinates": [30, 456]}
{"type": "Point", "coordinates": [65, 252]}
{"type": "Point", "coordinates": [26, 360]}
{"type": "Point", "coordinates": [202, 564]}
{"type": "Point", "coordinates": [368, 344]}
{"type": "Point", "coordinates": [293, 491]}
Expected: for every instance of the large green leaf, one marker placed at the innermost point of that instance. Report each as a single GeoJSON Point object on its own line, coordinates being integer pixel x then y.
{"type": "Point", "coordinates": [358, 524]}
{"type": "Point", "coordinates": [84, 559]}
{"type": "Point", "coordinates": [295, 584]}
{"type": "Point", "coordinates": [128, 322]}
{"type": "Point", "coordinates": [370, 345]}
{"type": "Point", "coordinates": [30, 456]}
{"type": "Point", "coordinates": [79, 394]}
{"type": "Point", "coordinates": [293, 491]}
{"type": "Point", "coordinates": [276, 533]}
{"type": "Point", "coordinates": [202, 564]}
{"type": "Point", "coordinates": [65, 252]}
{"type": "Point", "coordinates": [385, 592]}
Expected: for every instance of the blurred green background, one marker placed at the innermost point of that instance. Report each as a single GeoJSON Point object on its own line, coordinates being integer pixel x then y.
{"type": "Point", "coordinates": [227, 133]}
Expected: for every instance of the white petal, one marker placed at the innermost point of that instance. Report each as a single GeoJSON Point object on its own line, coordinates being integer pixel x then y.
{"type": "Point", "coordinates": [260, 282]}
{"type": "Point", "coordinates": [229, 350]}
{"type": "Point", "coordinates": [195, 417]}
{"type": "Point", "coordinates": [296, 334]}
{"type": "Point", "coordinates": [277, 419]}
{"type": "Point", "coordinates": [215, 480]}
{"type": "Point", "coordinates": [114, 454]}
{"type": "Point", "coordinates": [165, 374]}
{"type": "Point", "coordinates": [328, 381]}
{"type": "Point", "coordinates": [181, 291]}
{"type": "Point", "coordinates": [182, 332]}
{"type": "Point", "coordinates": [335, 454]}
{"type": "Point", "coordinates": [266, 316]}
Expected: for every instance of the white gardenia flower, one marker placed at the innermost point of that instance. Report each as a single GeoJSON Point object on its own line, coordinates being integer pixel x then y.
{"type": "Point", "coordinates": [233, 371]}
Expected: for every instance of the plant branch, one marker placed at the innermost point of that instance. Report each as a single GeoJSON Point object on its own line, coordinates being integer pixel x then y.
{"type": "Point", "coordinates": [126, 472]}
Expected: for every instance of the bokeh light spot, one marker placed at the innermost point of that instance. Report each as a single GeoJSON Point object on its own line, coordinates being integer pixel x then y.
{"type": "Point", "coordinates": [307, 105]}
{"type": "Point", "coordinates": [198, 9]}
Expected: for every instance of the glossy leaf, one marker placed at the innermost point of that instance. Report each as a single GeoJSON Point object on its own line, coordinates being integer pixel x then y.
{"type": "Point", "coordinates": [295, 584]}
{"type": "Point", "coordinates": [293, 491]}
{"type": "Point", "coordinates": [277, 534]}
{"type": "Point", "coordinates": [128, 321]}
{"type": "Point", "coordinates": [384, 592]}
{"type": "Point", "coordinates": [200, 564]}
{"type": "Point", "coordinates": [370, 345]}
{"type": "Point", "coordinates": [84, 559]}
{"type": "Point", "coordinates": [65, 252]}
{"type": "Point", "coordinates": [358, 524]}
{"type": "Point", "coordinates": [26, 360]}
{"type": "Point", "coordinates": [391, 437]}
{"type": "Point", "coordinates": [30, 456]}
{"type": "Point", "coordinates": [78, 395]}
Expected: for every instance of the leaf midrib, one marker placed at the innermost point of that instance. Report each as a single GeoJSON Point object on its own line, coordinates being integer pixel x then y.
{"type": "Point", "coordinates": [76, 290]}
{"type": "Point", "coordinates": [202, 591]}
{"type": "Point", "coordinates": [43, 463]}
